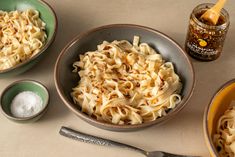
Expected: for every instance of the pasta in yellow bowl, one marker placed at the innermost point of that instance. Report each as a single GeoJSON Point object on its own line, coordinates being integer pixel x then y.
{"type": "Point", "coordinates": [219, 122]}
{"type": "Point", "coordinates": [124, 83]}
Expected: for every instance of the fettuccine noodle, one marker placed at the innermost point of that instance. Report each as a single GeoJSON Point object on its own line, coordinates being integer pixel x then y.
{"type": "Point", "coordinates": [224, 138]}
{"type": "Point", "coordinates": [123, 83]}
{"type": "Point", "coordinates": [22, 35]}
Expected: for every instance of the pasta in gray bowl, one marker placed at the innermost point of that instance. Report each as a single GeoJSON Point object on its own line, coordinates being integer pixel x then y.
{"type": "Point", "coordinates": [119, 108]}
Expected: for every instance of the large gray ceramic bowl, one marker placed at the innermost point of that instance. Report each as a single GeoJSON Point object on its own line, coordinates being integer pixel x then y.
{"type": "Point", "coordinates": [65, 80]}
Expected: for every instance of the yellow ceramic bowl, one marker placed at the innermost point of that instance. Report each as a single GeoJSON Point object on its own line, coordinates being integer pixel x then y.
{"type": "Point", "coordinates": [216, 108]}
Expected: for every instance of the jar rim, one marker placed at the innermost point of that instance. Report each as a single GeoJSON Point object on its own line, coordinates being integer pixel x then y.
{"type": "Point", "coordinates": [223, 12]}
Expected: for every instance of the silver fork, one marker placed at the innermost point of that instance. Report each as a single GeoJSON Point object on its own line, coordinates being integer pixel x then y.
{"type": "Point", "coordinates": [70, 133]}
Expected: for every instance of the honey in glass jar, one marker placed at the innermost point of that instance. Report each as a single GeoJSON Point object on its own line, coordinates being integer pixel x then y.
{"type": "Point", "coordinates": [204, 40]}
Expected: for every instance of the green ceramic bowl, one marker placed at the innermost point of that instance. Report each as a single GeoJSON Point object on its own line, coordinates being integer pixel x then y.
{"type": "Point", "coordinates": [24, 85]}
{"type": "Point", "coordinates": [47, 15]}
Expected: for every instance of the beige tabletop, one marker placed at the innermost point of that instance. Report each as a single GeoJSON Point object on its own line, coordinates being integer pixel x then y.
{"type": "Point", "coordinates": [183, 134]}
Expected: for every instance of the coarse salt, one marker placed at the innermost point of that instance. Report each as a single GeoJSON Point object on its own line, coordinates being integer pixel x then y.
{"type": "Point", "coordinates": [26, 104]}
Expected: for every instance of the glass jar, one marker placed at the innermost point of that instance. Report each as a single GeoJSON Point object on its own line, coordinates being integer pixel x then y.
{"type": "Point", "coordinates": [205, 41]}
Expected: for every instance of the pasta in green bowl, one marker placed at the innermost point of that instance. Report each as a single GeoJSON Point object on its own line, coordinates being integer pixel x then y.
{"type": "Point", "coordinates": [27, 29]}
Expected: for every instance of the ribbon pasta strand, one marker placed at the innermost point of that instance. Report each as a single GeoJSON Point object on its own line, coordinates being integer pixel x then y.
{"type": "Point", "coordinates": [123, 83]}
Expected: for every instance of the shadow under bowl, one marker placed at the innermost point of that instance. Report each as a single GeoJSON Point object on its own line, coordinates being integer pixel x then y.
{"type": "Point", "coordinates": [20, 86]}
{"type": "Point", "coordinates": [65, 79]}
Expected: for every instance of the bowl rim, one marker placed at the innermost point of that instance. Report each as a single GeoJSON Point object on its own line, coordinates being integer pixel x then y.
{"type": "Point", "coordinates": [44, 48]}
{"type": "Point", "coordinates": [207, 138]}
{"type": "Point", "coordinates": [31, 82]}
{"type": "Point", "coordinates": [106, 125]}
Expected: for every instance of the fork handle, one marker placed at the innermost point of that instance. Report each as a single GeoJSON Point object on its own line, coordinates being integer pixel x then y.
{"type": "Point", "coordinates": [82, 137]}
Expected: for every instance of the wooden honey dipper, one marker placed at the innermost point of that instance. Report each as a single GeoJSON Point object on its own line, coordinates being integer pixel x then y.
{"type": "Point", "coordinates": [212, 15]}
